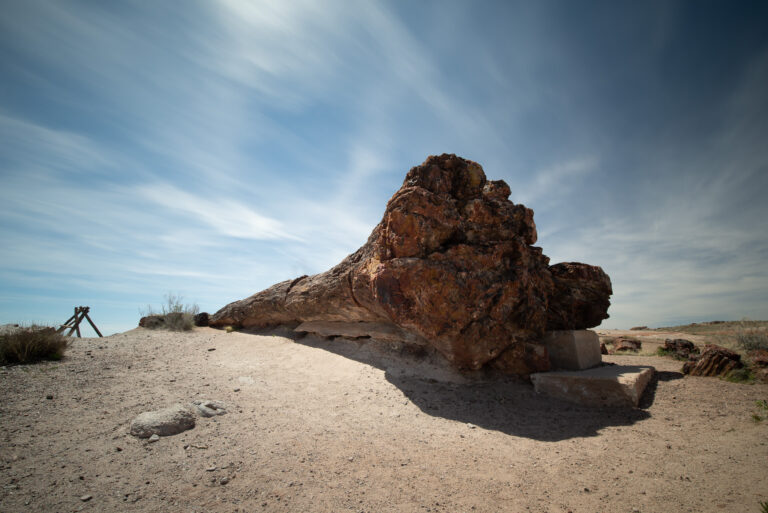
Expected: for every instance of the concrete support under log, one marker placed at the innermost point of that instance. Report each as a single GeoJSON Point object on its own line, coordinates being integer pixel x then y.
{"type": "Point", "coordinates": [611, 385]}
{"type": "Point", "coordinates": [573, 349]}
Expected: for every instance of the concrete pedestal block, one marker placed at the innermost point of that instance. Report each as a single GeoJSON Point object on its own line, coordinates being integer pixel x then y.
{"type": "Point", "coordinates": [611, 385]}
{"type": "Point", "coordinates": [573, 349]}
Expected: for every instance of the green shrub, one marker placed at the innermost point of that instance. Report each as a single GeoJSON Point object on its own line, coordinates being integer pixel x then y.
{"type": "Point", "coordinates": [663, 351]}
{"type": "Point", "coordinates": [174, 315]}
{"type": "Point", "coordinates": [743, 375]}
{"type": "Point", "coordinates": [27, 345]}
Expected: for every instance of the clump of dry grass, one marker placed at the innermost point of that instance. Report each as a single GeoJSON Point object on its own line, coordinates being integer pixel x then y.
{"type": "Point", "coordinates": [31, 344]}
{"type": "Point", "coordinates": [752, 338]}
{"type": "Point", "coordinates": [174, 315]}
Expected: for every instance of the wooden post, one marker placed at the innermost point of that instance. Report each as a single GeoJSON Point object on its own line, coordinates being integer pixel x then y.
{"type": "Point", "coordinates": [76, 325]}
{"type": "Point", "coordinates": [93, 325]}
{"type": "Point", "coordinates": [81, 312]}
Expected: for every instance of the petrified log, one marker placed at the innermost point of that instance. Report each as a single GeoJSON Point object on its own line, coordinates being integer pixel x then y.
{"type": "Point", "coordinates": [680, 348]}
{"type": "Point", "coordinates": [451, 265]}
{"type": "Point", "coordinates": [714, 361]}
{"type": "Point", "coordinates": [201, 319]}
{"type": "Point", "coordinates": [758, 357]}
{"type": "Point", "coordinates": [626, 344]}
{"type": "Point", "coordinates": [581, 296]}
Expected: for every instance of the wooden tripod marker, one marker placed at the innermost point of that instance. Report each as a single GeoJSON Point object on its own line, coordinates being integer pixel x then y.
{"type": "Point", "coordinates": [81, 312]}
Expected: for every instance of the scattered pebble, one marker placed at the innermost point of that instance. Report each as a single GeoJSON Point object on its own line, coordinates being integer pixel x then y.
{"type": "Point", "coordinates": [86, 498]}
{"type": "Point", "coordinates": [237, 390]}
{"type": "Point", "coordinates": [210, 469]}
{"type": "Point", "coordinates": [154, 438]}
{"type": "Point", "coordinates": [224, 480]}
{"type": "Point", "coordinates": [49, 397]}
{"type": "Point", "coordinates": [207, 408]}
{"type": "Point", "coordinates": [471, 426]}
{"type": "Point", "coordinates": [211, 349]}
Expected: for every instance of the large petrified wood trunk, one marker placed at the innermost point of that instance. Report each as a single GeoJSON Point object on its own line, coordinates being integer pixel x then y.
{"type": "Point", "coordinates": [450, 265]}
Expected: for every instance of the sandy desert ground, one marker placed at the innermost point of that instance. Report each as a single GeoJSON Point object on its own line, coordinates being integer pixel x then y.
{"type": "Point", "coordinates": [330, 426]}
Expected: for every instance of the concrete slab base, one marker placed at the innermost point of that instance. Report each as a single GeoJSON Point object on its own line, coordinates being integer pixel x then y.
{"type": "Point", "coordinates": [573, 349]}
{"type": "Point", "coordinates": [611, 385]}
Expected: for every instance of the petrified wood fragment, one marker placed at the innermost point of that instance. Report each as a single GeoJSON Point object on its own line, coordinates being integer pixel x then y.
{"type": "Point", "coordinates": [714, 361]}
{"type": "Point", "coordinates": [452, 263]}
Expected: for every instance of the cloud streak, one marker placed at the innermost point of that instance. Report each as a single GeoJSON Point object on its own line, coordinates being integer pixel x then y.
{"type": "Point", "coordinates": [227, 217]}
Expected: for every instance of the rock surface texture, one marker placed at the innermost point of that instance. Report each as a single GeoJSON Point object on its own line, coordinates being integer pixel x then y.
{"type": "Point", "coordinates": [453, 264]}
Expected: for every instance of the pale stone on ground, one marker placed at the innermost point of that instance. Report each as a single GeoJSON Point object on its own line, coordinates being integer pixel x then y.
{"type": "Point", "coordinates": [573, 349]}
{"type": "Point", "coordinates": [612, 385]}
{"type": "Point", "coordinates": [165, 422]}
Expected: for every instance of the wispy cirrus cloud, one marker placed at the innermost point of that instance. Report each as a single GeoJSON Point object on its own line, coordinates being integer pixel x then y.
{"type": "Point", "coordinates": [227, 217]}
{"type": "Point", "coordinates": [548, 185]}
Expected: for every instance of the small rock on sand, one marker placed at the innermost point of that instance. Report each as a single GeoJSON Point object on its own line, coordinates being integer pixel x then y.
{"type": "Point", "coordinates": [165, 422]}
{"type": "Point", "coordinates": [208, 408]}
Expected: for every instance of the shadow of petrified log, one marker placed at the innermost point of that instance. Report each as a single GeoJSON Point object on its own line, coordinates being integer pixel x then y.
{"type": "Point", "coordinates": [451, 265]}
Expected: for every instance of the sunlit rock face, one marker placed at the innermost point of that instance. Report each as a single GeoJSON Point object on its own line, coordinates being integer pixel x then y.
{"type": "Point", "coordinates": [451, 264]}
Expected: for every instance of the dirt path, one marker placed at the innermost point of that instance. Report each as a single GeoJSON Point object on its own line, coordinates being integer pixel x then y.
{"type": "Point", "coordinates": [332, 426]}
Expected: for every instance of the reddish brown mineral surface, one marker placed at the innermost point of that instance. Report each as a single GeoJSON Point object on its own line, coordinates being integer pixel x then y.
{"type": "Point", "coordinates": [581, 296]}
{"type": "Point", "coordinates": [452, 263]}
{"type": "Point", "coordinates": [626, 344]}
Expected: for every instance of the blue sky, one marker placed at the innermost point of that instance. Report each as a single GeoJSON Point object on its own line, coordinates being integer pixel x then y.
{"type": "Point", "coordinates": [213, 148]}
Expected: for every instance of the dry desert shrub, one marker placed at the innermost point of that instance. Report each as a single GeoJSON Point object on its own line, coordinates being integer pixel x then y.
{"type": "Point", "coordinates": [751, 338]}
{"type": "Point", "coordinates": [174, 315]}
{"type": "Point", "coordinates": [31, 344]}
